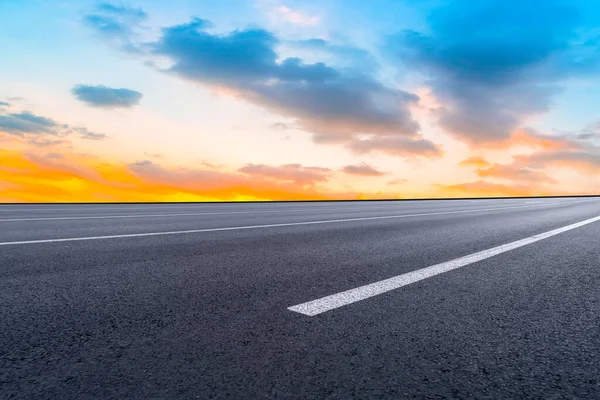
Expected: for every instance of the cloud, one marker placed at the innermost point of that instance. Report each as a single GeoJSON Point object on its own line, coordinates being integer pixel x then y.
{"type": "Point", "coordinates": [296, 17]}
{"type": "Point", "coordinates": [280, 126]}
{"type": "Point", "coordinates": [134, 13]}
{"type": "Point", "coordinates": [27, 123]}
{"type": "Point", "coordinates": [494, 63]}
{"type": "Point", "coordinates": [84, 133]}
{"type": "Point", "coordinates": [46, 142]}
{"type": "Point", "coordinates": [488, 189]}
{"type": "Point", "coordinates": [396, 146]}
{"type": "Point", "coordinates": [362, 170]}
{"type": "Point", "coordinates": [343, 54]}
{"type": "Point", "coordinates": [239, 59]}
{"type": "Point", "coordinates": [588, 133]}
{"type": "Point", "coordinates": [331, 104]}
{"type": "Point", "coordinates": [578, 151]}
{"type": "Point", "coordinates": [32, 176]}
{"type": "Point", "coordinates": [515, 173]}
{"type": "Point", "coordinates": [256, 181]}
{"type": "Point", "coordinates": [336, 105]}
{"type": "Point", "coordinates": [41, 131]}
{"type": "Point", "coordinates": [105, 97]}
{"type": "Point", "coordinates": [113, 22]}
{"type": "Point", "coordinates": [154, 155]}
{"type": "Point", "coordinates": [4, 104]}
{"type": "Point", "coordinates": [289, 172]}
{"type": "Point", "coordinates": [55, 156]}
{"type": "Point", "coordinates": [398, 181]}
{"type": "Point", "coordinates": [585, 160]}
{"type": "Point", "coordinates": [531, 138]}
{"type": "Point", "coordinates": [475, 161]}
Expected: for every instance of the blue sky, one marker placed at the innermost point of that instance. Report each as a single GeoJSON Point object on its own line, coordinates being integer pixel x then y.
{"type": "Point", "coordinates": [371, 99]}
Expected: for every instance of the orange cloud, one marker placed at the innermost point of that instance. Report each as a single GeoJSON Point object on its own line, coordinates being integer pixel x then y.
{"type": "Point", "coordinates": [488, 189]}
{"type": "Point", "coordinates": [288, 173]}
{"type": "Point", "coordinates": [584, 160]}
{"type": "Point", "coordinates": [533, 139]}
{"type": "Point", "coordinates": [58, 174]}
{"type": "Point", "coordinates": [478, 162]}
{"type": "Point", "coordinates": [515, 173]}
{"type": "Point", "coordinates": [72, 178]}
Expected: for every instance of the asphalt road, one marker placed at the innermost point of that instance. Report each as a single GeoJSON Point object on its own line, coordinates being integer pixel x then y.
{"type": "Point", "coordinates": [209, 300]}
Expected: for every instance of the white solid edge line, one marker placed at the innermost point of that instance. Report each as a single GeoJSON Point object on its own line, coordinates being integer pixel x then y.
{"type": "Point", "coordinates": [177, 214]}
{"type": "Point", "coordinates": [291, 210]}
{"type": "Point", "coordinates": [234, 228]}
{"type": "Point", "coordinates": [165, 207]}
{"type": "Point", "coordinates": [261, 206]}
{"type": "Point", "coordinates": [226, 206]}
{"type": "Point", "coordinates": [318, 306]}
{"type": "Point", "coordinates": [81, 217]}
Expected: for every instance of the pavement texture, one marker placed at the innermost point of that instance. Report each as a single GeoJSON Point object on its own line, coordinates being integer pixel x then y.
{"type": "Point", "coordinates": [205, 314]}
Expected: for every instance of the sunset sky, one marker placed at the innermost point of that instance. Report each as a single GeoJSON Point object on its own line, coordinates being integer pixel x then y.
{"type": "Point", "coordinates": [201, 100]}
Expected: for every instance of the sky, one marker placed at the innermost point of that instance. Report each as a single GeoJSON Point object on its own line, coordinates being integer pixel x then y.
{"type": "Point", "coordinates": [241, 100]}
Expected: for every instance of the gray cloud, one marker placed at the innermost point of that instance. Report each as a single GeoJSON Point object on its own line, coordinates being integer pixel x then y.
{"type": "Point", "coordinates": [398, 181]}
{"type": "Point", "coordinates": [396, 146]}
{"type": "Point", "coordinates": [362, 170]}
{"type": "Point", "coordinates": [46, 142]}
{"type": "Point", "coordinates": [331, 104]}
{"type": "Point", "coordinates": [27, 123]}
{"type": "Point", "coordinates": [515, 173]}
{"type": "Point", "coordinates": [345, 54]}
{"type": "Point", "coordinates": [105, 97]}
{"type": "Point", "coordinates": [586, 159]}
{"type": "Point", "coordinates": [54, 156]}
{"type": "Point", "coordinates": [84, 133]}
{"type": "Point", "coordinates": [141, 164]}
{"type": "Point", "coordinates": [288, 172]}
{"type": "Point", "coordinates": [337, 105]}
{"type": "Point", "coordinates": [134, 13]}
{"type": "Point", "coordinates": [589, 133]}
{"type": "Point", "coordinates": [280, 126]}
{"type": "Point", "coordinates": [46, 130]}
{"type": "Point", "coordinates": [4, 104]}
{"type": "Point", "coordinates": [577, 150]}
{"type": "Point", "coordinates": [113, 22]}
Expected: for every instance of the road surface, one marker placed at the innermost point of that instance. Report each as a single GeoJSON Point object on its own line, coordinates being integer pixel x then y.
{"type": "Point", "coordinates": [411, 299]}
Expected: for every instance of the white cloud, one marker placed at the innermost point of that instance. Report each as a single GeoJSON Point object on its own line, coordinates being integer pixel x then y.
{"type": "Point", "coordinates": [295, 17]}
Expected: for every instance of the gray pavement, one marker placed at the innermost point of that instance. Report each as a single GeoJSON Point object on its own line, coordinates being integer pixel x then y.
{"type": "Point", "coordinates": [199, 308]}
